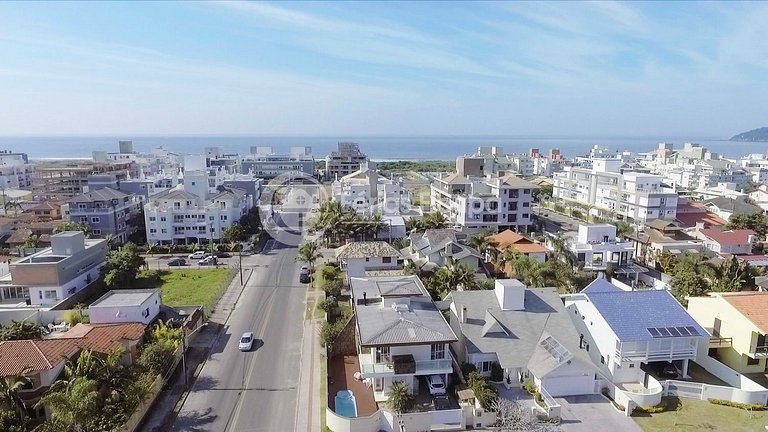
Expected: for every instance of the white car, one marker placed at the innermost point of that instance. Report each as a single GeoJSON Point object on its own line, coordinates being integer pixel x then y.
{"type": "Point", "coordinates": [246, 341]}
{"type": "Point", "coordinates": [197, 255]}
{"type": "Point", "coordinates": [436, 385]}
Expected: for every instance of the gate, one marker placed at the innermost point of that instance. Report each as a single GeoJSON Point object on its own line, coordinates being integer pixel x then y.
{"type": "Point", "coordinates": [684, 389]}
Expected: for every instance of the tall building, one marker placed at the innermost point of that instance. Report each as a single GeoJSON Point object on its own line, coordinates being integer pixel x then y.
{"type": "Point", "coordinates": [345, 160]}
{"type": "Point", "coordinates": [106, 211]}
{"type": "Point", "coordinates": [61, 180]}
{"type": "Point", "coordinates": [265, 163]}
{"type": "Point", "coordinates": [15, 170]}
{"type": "Point", "coordinates": [609, 191]}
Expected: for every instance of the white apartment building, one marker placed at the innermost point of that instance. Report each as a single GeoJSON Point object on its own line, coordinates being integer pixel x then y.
{"type": "Point", "coordinates": [484, 202]}
{"type": "Point", "coordinates": [608, 190]}
{"type": "Point", "coordinates": [265, 163]}
{"type": "Point", "coordinates": [15, 170]}
{"type": "Point", "coordinates": [596, 246]}
{"type": "Point", "coordinates": [369, 193]}
{"type": "Point", "coordinates": [194, 212]}
{"type": "Point", "coordinates": [493, 160]}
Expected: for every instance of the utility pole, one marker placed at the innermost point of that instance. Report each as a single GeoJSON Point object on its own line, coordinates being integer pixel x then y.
{"type": "Point", "coordinates": [240, 263]}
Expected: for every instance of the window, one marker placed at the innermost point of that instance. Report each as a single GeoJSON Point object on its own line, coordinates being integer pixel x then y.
{"type": "Point", "coordinates": [751, 361]}
{"type": "Point", "coordinates": [526, 204]}
{"type": "Point", "coordinates": [96, 232]}
{"type": "Point", "coordinates": [82, 206]}
{"type": "Point", "coordinates": [386, 260]}
{"type": "Point", "coordinates": [526, 215]}
{"type": "Point", "coordinates": [631, 365]}
{"type": "Point", "coordinates": [437, 352]}
{"type": "Point", "coordinates": [162, 219]}
{"type": "Point", "coordinates": [602, 359]}
{"type": "Point", "coordinates": [526, 191]}
{"type": "Point", "coordinates": [95, 220]}
{"type": "Point", "coordinates": [223, 217]}
{"type": "Point", "coordinates": [367, 259]}
{"type": "Point", "coordinates": [84, 219]}
{"type": "Point", "coordinates": [152, 231]}
{"type": "Point", "coordinates": [163, 231]}
{"type": "Point", "coordinates": [50, 295]}
{"type": "Point", "coordinates": [210, 218]}
{"type": "Point", "coordinates": [484, 366]}
{"type": "Point", "coordinates": [382, 354]}
{"type": "Point", "coordinates": [145, 313]}
{"type": "Point", "coordinates": [213, 230]}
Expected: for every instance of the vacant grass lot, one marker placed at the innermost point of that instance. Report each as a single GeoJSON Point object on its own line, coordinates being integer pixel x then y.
{"type": "Point", "coordinates": [186, 287]}
{"type": "Point", "coordinates": [696, 415]}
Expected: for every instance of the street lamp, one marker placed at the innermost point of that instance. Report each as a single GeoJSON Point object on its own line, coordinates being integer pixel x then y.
{"type": "Point", "coordinates": [184, 337]}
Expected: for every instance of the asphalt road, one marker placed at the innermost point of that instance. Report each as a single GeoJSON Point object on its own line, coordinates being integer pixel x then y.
{"type": "Point", "coordinates": [256, 390]}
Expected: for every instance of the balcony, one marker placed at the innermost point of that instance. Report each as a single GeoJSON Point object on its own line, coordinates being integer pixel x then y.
{"type": "Point", "coordinates": [404, 365]}
{"type": "Point", "coordinates": [656, 355]}
{"type": "Point", "coordinates": [759, 351]}
{"type": "Point", "coordinates": [720, 342]}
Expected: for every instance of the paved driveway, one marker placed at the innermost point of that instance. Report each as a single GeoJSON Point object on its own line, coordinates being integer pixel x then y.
{"type": "Point", "coordinates": [593, 413]}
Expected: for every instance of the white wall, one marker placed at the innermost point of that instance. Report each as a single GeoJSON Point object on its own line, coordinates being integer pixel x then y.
{"type": "Point", "coordinates": [126, 314]}
{"type": "Point", "coordinates": [62, 292]}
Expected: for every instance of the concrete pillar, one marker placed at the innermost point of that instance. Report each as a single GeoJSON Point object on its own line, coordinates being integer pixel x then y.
{"type": "Point", "coordinates": [685, 368]}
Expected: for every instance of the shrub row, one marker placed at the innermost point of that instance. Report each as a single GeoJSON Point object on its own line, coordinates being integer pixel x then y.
{"type": "Point", "coordinates": [748, 407]}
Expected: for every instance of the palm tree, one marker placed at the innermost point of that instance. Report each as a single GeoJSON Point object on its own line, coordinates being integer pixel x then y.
{"type": "Point", "coordinates": [455, 275]}
{"type": "Point", "coordinates": [111, 240]}
{"type": "Point", "coordinates": [485, 245]}
{"type": "Point", "coordinates": [508, 257]}
{"type": "Point", "coordinates": [375, 225]}
{"type": "Point", "coordinates": [435, 220]}
{"type": "Point", "coordinates": [309, 253]}
{"type": "Point", "coordinates": [399, 399]}
{"type": "Point", "coordinates": [9, 392]}
{"type": "Point", "coordinates": [73, 403]}
{"type": "Point", "coordinates": [561, 249]}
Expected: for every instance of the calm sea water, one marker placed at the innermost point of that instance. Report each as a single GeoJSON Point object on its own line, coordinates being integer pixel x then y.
{"type": "Point", "coordinates": [378, 147]}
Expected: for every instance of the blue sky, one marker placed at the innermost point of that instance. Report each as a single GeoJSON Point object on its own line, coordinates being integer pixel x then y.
{"type": "Point", "coordinates": [551, 69]}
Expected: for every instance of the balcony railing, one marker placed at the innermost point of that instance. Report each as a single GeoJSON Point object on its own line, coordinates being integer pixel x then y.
{"type": "Point", "coordinates": [368, 367]}
{"type": "Point", "coordinates": [656, 355]}
{"type": "Point", "coordinates": [720, 342]}
{"type": "Point", "coordinates": [760, 351]}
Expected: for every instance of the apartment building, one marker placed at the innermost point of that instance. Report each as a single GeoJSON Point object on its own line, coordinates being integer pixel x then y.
{"type": "Point", "coordinates": [61, 180]}
{"type": "Point", "coordinates": [476, 203]}
{"type": "Point", "coordinates": [265, 163]}
{"type": "Point", "coordinates": [370, 193]}
{"type": "Point", "coordinates": [493, 160]}
{"type": "Point", "coordinates": [607, 190]}
{"type": "Point", "coordinates": [106, 211]}
{"type": "Point", "coordinates": [597, 247]}
{"type": "Point", "coordinates": [345, 160]}
{"type": "Point", "coordinates": [194, 212]}
{"type": "Point", "coordinates": [15, 170]}
{"type": "Point", "coordinates": [55, 273]}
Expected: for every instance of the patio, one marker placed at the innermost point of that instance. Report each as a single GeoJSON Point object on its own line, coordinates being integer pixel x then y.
{"type": "Point", "coordinates": [341, 376]}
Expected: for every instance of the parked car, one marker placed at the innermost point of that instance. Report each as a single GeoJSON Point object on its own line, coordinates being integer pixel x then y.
{"type": "Point", "coordinates": [207, 261]}
{"type": "Point", "coordinates": [177, 262]}
{"type": "Point", "coordinates": [304, 275]}
{"type": "Point", "coordinates": [441, 403]}
{"type": "Point", "coordinates": [436, 385]}
{"type": "Point", "coordinates": [197, 255]}
{"type": "Point", "coordinates": [222, 255]}
{"type": "Point", "coordinates": [246, 341]}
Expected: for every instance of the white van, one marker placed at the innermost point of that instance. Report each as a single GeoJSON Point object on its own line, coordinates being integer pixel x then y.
{"type": "Point", "coordinates": [436, 385]}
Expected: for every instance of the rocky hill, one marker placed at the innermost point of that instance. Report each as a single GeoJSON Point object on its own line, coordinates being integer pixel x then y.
{"type": "Point", "coordinates": [759, 134]}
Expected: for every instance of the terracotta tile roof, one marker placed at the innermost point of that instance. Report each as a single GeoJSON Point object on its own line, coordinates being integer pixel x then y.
{"type": "Point", "coordinates": [730, 238]}
{"type": "Point", "coordinates": [753, 305]}
{"type": "Point", "coordinates": [38, 355]}
{"type": "Point", "coordinates": [692, 218]}
{"type": "Point", "coordinates": [45, 354]}
{"type": "Point", "coordinates": [530, 248]}
{"type": "Point", "coordinates": [508, 237]}
{"type": "Point", "coordinates": [104, 338]}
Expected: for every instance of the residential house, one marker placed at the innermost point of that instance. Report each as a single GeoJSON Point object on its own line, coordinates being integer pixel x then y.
{"type": "Point", "coordinates": [660, 236]}
{"type": "Point", "coordinates": [596, 246]}
{"type": "Point", "coordinates": [628, 333]}
{"type": "Point", "coordinates": [357, 258]}
{"type": "Point", "coordinates": [527, 332]}
{"type": "Point", "coordinates": [760, 196]}
{"type": "Point", "coordinates": [345, 160]}
{"type": "Point", "coordinates": [738, 323]}
{"type": "Point", "coordinates": [734, 242]}
{"type": "Point", "coordinates": [126, 305]}
{"type": "Point", "coordinates": [692, 214]}
{"type": "Point", "coordinates": [476, 203]}
{"type": "Point", "coordinates": [520, 244]}
{"type": "Point", "coordinates": [434, 248]}
{"type": "Point", "coordinates": [727, 207]}
{"type": "Point", "coordinates": [400, 333]}
{"type": "Point", "coordinates": [610, 191]}
{"type": "Point", "coordinates": [55, 273]}
{"type": "Point", "coordinates": [369, 193]}
{"type": "Point", "coordinates": [106, 211]}
{"type": "Point", "coordinates": [45, 209]}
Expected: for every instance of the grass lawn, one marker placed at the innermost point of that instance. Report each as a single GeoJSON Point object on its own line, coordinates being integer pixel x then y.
{"type": "Point", "coordinates": [187, 286]}
{"type": "Point", "coordinates": [696, 415]}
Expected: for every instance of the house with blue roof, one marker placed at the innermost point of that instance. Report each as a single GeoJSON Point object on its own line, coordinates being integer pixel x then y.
{"type": "Point", "coordinates": [629, 333]}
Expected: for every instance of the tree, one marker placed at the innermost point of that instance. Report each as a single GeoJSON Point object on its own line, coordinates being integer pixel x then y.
{"type": "Point", "coordinates": [543, 193]}
{"type": "Point", "coordinates": [666, 261]}
{"type": "Point", "coordinates": [251, 222]}
{"type": "Point", "coordinates": [757, 222]}
{"type": "Point", "coordinates": [333, 280]}
{"type": "Point", "coordinates": [734, 275]}
{"type": "Point", "coordinates": [165, 334]}
{"type": "Point", "coordinates": [623, 229]}
{"type": "Point", "coordinates": [157, 357]}
{"type": "Point", "coordinates": [20, 330]}
{"type": "Point", "coordinates": [399, 398]}
{"type": "Point", "coordinates": [234, 233]}
{"type": "Point", "coordinates": [76, 315]}
{"type": "Point", "coordinates": [73, 226]}
{"type": "Point", "coordinates": [10, 387]}
{"type": "Point", "coordinates": [122, 268]}
{"type": "Point", "coordinates": [453, 276]}
{"type": "Point", "coordinates": [512, 416]}
{"type": "Point", "coordinates": [309, 253]}
{"type": "Point", "coordinates": [375, 225]}
{"type": "Point", "coordinates": [507, 258]}
{"type": "Point", "coordinates": [111, 240]}
{"type": "Point", "coordinates": [686, 283]}
{"type": "Point", "coordinates": [435, 220]}
{"type": "Point", "coordinates": [32, 242]}
{"type": "Point", "coordinates": [485, 245]}
{"type": "Point", "coordinates": [561, 249]}
{"type": "Point", "coordinates": [535, 274]}
{"type": "Point", "coordinates": [410, 268]}
{"type": "Point", "coordinates": [73, 404]}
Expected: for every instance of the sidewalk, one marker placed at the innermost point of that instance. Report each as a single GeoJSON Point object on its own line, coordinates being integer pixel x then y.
{"type": "Point", "coordinates": [308, 403]}
{"type": "Point", "coordinates": [163, 412]}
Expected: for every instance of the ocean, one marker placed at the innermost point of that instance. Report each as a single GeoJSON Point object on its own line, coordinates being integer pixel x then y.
{"type": "Point", "coordinates": [381, 148]}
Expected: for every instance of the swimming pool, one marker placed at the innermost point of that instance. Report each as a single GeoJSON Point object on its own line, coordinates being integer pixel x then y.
{"type": "Point", "coordinates": [346, 404]}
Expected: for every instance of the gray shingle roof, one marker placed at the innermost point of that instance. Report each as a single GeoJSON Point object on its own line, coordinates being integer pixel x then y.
{"type": "Point", "coordinates": [515, 333]}
{"type": "Point", "coordinates": [733, 205]}
{"type": "Point", "coordinates": [366, 249]}
{"type": "Point", "coordinates": [630, 313]}
{"type": "Point", "coordinates": [378, 323]}
{"type": "Point", "coordinates": [175, 194]}
{"type": "Point", "coordinates": [104, 194]}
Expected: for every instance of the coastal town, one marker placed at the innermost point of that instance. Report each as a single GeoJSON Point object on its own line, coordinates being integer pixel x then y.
{"type": "Point", "coordinates": [278, 290]}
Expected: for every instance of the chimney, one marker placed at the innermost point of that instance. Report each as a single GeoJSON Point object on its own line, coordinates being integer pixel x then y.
{"type": "Point", "coordinates": [447, 249]}
{"type": "Point", "coordinates": [365, 298]}
{"type": "Point", "coordinates": [510, 294]}
{"type": "Point", "coordinates": [463, 314]}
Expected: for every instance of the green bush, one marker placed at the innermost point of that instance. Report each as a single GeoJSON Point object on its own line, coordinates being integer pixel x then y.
{"type": "Point", "coordinates": [497, 373]}
{"type": "Point", "coordinates": [467, 368]}
{"type": "Point", "coordinates": [326, 305]}
{"type": "Point", "coordinates": [539, 399]}
{"type": "Point", "coordinates": [748, 407]}
{"type": "Point", "coordinates": [157, 357]}
{"type": "Point", "coordinates": [75, 316]}
{"type": "Point", "coordinates": [651, 409]}
{"type": "Point", "coordinates": [530, 387]}
{"type": "Point", "coordinates": [484, 393]}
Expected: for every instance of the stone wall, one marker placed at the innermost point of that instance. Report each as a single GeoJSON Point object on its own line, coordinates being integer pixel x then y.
{"type": "Point", "coordinates": [345, 342]}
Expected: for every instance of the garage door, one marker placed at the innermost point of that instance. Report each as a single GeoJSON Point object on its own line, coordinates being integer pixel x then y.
{"type": "Point", "coordinates": [569, 385]}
